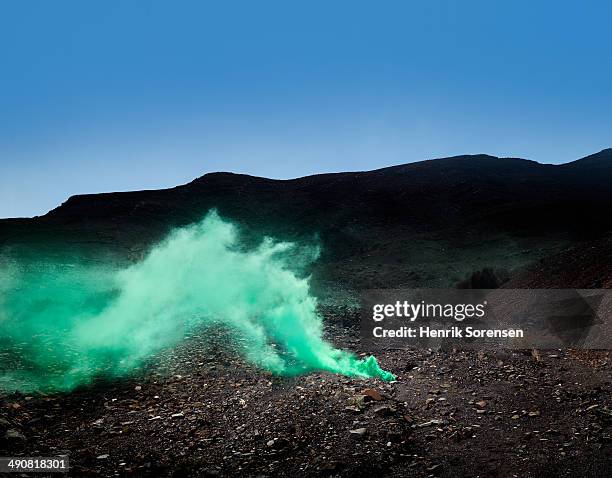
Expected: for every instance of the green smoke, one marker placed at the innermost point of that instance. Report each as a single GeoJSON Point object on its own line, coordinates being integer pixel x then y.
{"type": "Point", "coordinates": [63, 324]}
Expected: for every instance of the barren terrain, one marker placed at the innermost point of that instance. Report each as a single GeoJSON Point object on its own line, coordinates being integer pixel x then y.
{"type": "Point", "coordinates": [200, 412]}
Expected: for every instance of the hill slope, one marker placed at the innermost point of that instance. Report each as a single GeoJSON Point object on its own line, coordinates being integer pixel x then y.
{"type": "Point", "coordinates": [428, 223]}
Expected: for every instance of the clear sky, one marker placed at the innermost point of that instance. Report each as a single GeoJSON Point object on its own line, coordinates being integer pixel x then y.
{"type": "Point", "coordinates": [115, 95]}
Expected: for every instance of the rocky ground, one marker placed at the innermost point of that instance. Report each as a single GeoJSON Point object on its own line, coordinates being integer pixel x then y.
{"type": "Point", "coordinates": [450, 413]}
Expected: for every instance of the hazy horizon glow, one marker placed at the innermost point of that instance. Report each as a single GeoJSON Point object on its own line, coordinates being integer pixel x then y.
{"type": "Point", "coordinates": [99, 96]}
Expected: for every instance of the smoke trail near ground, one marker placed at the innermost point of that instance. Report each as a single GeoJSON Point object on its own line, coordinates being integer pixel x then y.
{"type": "Point", "coordinates": [61, 325]}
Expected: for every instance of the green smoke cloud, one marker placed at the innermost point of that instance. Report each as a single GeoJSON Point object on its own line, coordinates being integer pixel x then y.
{"type": "Point", "coordinates": [62, 324]}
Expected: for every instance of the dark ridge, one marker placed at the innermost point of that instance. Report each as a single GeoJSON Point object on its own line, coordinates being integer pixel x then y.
{"type": "Point", "coordinates": [603, 159]}
{"type": "Point", "coordinates": [428, 223]}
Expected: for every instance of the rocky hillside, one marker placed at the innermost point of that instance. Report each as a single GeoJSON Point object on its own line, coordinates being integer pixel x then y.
{"type": "Point", "coordinates": [430, 223]}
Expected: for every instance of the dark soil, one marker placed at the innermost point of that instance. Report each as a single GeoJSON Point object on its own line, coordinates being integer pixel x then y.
{"type": "Point", "coordinates": [498, 413]}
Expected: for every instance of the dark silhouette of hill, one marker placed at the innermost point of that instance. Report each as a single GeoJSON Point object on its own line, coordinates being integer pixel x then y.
{"type": "Point", "coordinates": [429, 223]}
{"type": "Point", "coordinates": [601, 161]}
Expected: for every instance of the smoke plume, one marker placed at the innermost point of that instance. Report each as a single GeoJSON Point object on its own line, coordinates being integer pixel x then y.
{"type": "Point", "coordinates": [62, 324]}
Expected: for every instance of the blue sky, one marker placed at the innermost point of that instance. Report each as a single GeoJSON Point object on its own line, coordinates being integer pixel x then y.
{"type": "Point", "coordinates": [109, 95]}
